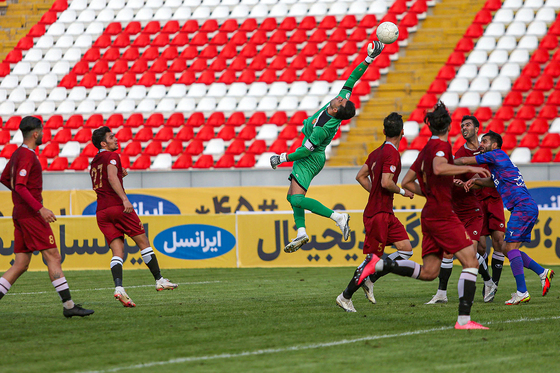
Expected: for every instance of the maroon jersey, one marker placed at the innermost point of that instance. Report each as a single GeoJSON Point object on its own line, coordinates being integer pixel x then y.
{"type": "Point", "coordinates": [383, 160]}
{"type": "Point", "coordinates": [436, 189]}
{"type": "Point", "coordinates": [465, 202]}
{"type": "Point", "coordinates": [24, 170]}
{"type": "Point", "coordinates": [106, 196]}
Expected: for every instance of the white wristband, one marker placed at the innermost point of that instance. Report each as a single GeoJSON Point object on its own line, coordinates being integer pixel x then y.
{"type": "Point", "coordinates": [401, 192]}
{"type": "Point", "coordinates": [369, 59]}
{"type": "Point", "coordinates": [283, 157]}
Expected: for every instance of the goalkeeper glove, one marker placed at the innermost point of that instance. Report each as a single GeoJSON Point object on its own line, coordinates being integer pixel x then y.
{"type": "Point", "coordinates": [276, 159]}
{"type": "Point", "coordinates": [374, 49]}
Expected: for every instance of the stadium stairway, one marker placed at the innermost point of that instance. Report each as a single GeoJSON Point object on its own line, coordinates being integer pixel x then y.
{"type": "Point", "coordinates": [409, 77]}
{"type": "Point", "coordinates": [18, 19]}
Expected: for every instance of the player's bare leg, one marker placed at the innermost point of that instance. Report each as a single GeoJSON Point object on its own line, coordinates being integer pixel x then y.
{"type": "Point", "coordinates": [117, 247]}
{"type": "Point", "coordinates": [53, 261]}
{"type": "Point", "coordinates": [300, 203]}
{"type": "Point", "coordinates": [21, 263]}
{"type": "Point", "coordinates": [151, 261]}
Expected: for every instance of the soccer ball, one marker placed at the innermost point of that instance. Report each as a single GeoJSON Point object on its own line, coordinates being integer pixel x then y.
{"type": "Point", "coordinates": [387, 32]}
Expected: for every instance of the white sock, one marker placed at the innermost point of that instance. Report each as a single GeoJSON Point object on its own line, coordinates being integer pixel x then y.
{"type": "Point", "coordinates": [68, 304]}
{"type": "Point", "coordinates": [336, 216]}
{"type": "Point", "coordinates": [301, 232]}
{"type": "Point", "coordinates": [463, 319]}
{"type": "Point", "coordinates": [488, 283]}
{"type": "Point", "coordinates": [4, 286]}
{"type": "Point", "coordinates": [521, 294]}
{"type": "Point", "coordinates": [442, 292]}
{"type": "Point", "coordinates": [543, 275]}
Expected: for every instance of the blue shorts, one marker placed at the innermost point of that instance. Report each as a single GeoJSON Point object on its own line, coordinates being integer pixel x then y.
{"type": "Point", "coordinates": [521, 222]}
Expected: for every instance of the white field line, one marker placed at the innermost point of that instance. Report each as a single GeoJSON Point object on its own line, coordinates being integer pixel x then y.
{"type": "Point", "coordinates": [128, 287]}
{"type": "Point", "coordinates": [303, 347]}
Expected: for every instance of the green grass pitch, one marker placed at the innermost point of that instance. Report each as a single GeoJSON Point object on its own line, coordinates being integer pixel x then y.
{"type": "Point", "coordinates": [272, 320]}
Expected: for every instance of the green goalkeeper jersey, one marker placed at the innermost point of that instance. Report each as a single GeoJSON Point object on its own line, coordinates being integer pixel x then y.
{"type": "Point", "coordinates": [320, 128]}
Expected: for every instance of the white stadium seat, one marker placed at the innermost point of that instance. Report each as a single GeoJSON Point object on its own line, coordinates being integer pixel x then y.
{"type": "Point", "coordinates": [477, 58]}
{"type": "Point", "coordinates": [511, 70]}
{"type": "Point", "coordinates": [26, 108]}
{"type": "Point", "coordinates": [504, 16]}
{"type": "Point", "coordinates": [215, 147]}
{"type": "Point", "coordinates": [411, 130]}
{"type": "Point", "coordinates": [66, 107]}
{"type": "Point", "coordinates": [495, 30]}
{"type": "Point", "coordinates": [39, 94]}
{"type": "Point", "coordinates": [516, 29]}
{"type": "Point", "coordinates": [46, 108]}
{"type": "Point", "coordinates": [226, 104]}
{"type": "Point", "coordinates": [34, 55]}
{"type": "Point", "coordinates": [533, 4]}
{"type": "Point", "coordinates": [519, 56]}
{"type": "Point", "coordinates": [116, 4]}
{"type": "Point", "coordinates": [86, 107]}
{"type": "Point", "coordinates": [521, 155]}
{"type": "Point", "coordinates": [546, 15]}
{"type": "Point", "coordinates": [128, 106]}
{"type": "Point", "coordinates": [263, 161]}
{"type": "Point", "coordinates": [555, 126]}
{"type": "Point", "coordinates": [507, 43]}
{"type": "Point", "coordinates": [258, 89]}
{"type": "Point", "coordinates": [137, 92]}
{"type": "Point", "coordinates": [186, 104]}
{"type": "Point", "coordinates": [77, 94]}
{"type": "Point", "coordinates": [467, 71]}
{"type": "Point", "coordinates": [7, 108]}
{"type": "Point", "coordinates": [98, 93]}
{"type": "Point", "coordinates": [512, 4]}
{"type": "Point", "coordinates": [458, 85]}
{"type": "Point", "coordinates": [489, 70]}
{"type": "Point", "coordinates": [537, 28]}
{"type": "Point", "coordinates": [247, 104]}
{"type": "Point", "coordinates": [197, 90]}
{"type": "Point", "coordinates": [554, 4]}
{"type": "Point", "coordinates": [501, 84]}
{"type": "Point", "coordinates": [107, 15]}
{"type": "Point", "coordinates": [217, 90]}
{"type": "Point", "coordinates": [177, 91]}
{"type": "Point", "coordinates": [491, 99]}
{"type": "Point", "coordinates": [21, 68]}
{"type": "Point", "coordinates": [157, 92]}
{"type": "Point", "coordinates": [528, 42]}
{"type": "Point", "coordinates": [240, 89]}
{"type": "Point", "coordinates": [486, 43]}
{"type": "Point", "coordinates": [18, 95]}
{"type": "Point", "coordinates": [166, 105]}
{"type": "Point", "coordinates": [87, 16]}
{"type": "Point", "coordinates": [9, 82]}
{"type": "Point", "coordinates": [479, 84]}
{"type": "Point", "coordinates": [309, 103]}
{"type": "Point", "coordinates": [288, 103]}
{"type": "Point", "coordinates": [206, 104]}
{"type": "Point", "coordinates": [147, 105]}
{"type": "Point", "coordinates": [61, 68]}
{"type": "Point", "coordinates": [498, 57]}
{"type": "Point", "coordinates": [70, 150]}
{"type": "Point", "coordinates": [163, 161]}
{"type": "Point", "coordinates": [17, 138]}
{"type": "Point", "coordinates": [470, 100]}
{"type": "Point", "coordinates": [29, 81]}
{"type": "Point", "coordinates": [58, 94]}
{"type": "Point", "coordinates": [44, 42]}
{"type": "Point", "coordinates": [106, 106]}
{"type": "Point", "coordinates": [450, 99]}
{"type": "Point", "coordinates": [268, 132]}
{"type": "Point", "coordinates": [409, 156]}
{"type": "Point", "coordinates": [525, 15]}
{"type": "Point", "coordinates": [278, 89]}
{"type": "Point", "coordinates": [117, 93]}
{"type": "Point", "coordinates": [267, 104]}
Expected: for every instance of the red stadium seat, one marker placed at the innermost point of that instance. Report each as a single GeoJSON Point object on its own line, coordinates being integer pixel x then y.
{"type": "Point", "coordinates": [133, 149]}
{"type": "Point", "coordinates": [216, 119]}
{"type": "Point", "coordinates": [131, 54]}
{"type": "Point", "coordinates": [51, 150]}
{"type": "Point", "coordinates": [185, 134]}
{"type": "Point", "coordinates": [205, 134]}
{"type": "Point", "coordinates": [81, 68]}
{"type": "Point", "coordinates": [155, 120]}
{"type": "Point", "coordinates": [164, 134]}
{"type": "Point", "coordinates": [145, 134]}
{"type": "Point", "coordinates": [135, 120]}
{"type": "Point", "coordinates": [438, 86]}
{"type": "Point", "coordinates": [532, 70]}
{"type": "Point", "coordinates": [543, 155]}
{"type": "Point", "coordinates": [419, 142]}
{"type": "Point", "coordinates": [535, 98]}
{"type": "Point", "coordinates": [296, 144]}
{"type": "Point", "coordinates": [226, 161]}
{"type": "Point", "coordinates": [81, 163]}
{"type": "Point", "coordinates": [458, 144]}
{"type": "Point", "coordinates": [298, 118]}
{"type": "Point", "coordinates": [121, 41]}
{"type": "Point", "coordinates": [483, 17]}
{"type": "Point", "coordinates": [509, 142]}
{"type": "Point", "coordinates": [153, 148]}
{"type": "Point", "coordinates": [236, 119]}
{"type": "Point", "coordinates": [368, 21]}
{"type": "Point", "coordinates": [125, 161]}
{"type": "Point", "coordinates": [89, 151]}
{"type": "Point", "coordinates": [551, 140]}
{"type": "Point", "coordinates": [13, 56]}
{"type": "Point", "coordinates": [474, 31]}
{"type": "Point", "coordinates": [59, 164]}
{"type": "Point", "coordinates": [83, 135]}
{"type": "Point", "coordinates": [8, 150]}
{"type": "Point", "coordinates": [548, 112]}
{"type": "Point", "coordinates": [63, 136]}
{"type": "Point", "coordinates": [148, 79]}
{"type": "Point", "coordinates": [540, 56]}
{"type": "Point", "coordinates": [279, 118]}
{"type": "Point", "coordinates": [403, 145]}
{"type": "Point", "coordinates": [459, 113]}
{"type": "Point", "coordinates": [190, 26]}
{"type": "Point", "coordinates": [204, 161]}
{"type": "Point", "coordinates": [538, 127]}
{"type": "Point", "coordinates": [109, 79]}
{"type": "Point", "coordinates": [530, 141]}
{"type": "Point", "coordinates": [195, 147]}
{"type": "Point", "coordinates": [95, 121]}
{"type": "Point", "coordinates": [143, 162]}
{"type": "Point", "coordinates": [523, 84]}
{"type": "Point", "coordinates": [446, 73]}
{"type": "Point", "coordinates": [288, 24]}
{"type": "Point", "coordinates": [184, 161]}
{"type": "Point", "coordinates": [180, 40]}
{"type": "Point", "coordinates": [54, 122]}
{"type": "Point", "coordinates": [246, 161]}
{"type": "Point", "coordinates": [236, 147]}
{"type": "Point", "coordinates": [557, 158]}
{"type": "Point", "coordinates": [226, 133]}
{"type": "Point", "coordinates": [115, 121]}
{"type": "Point", "coordinates": [5, 136]}
{"type": "Point", "coordinates": [257, 119]}
{"type": "Point", "coordinates": [483, 114]}
{"type": "Point", "coordinates": [159, 66]}
{"type": "Point", "coordinates": [229, 25]}
{"type": "Point", "coordinates": [247, 133]}
{"type": "Point", "coordinates": [175, 147]}
{"type": "Point", "coordinates": [544, 83]}
{"type": "Point", "coordinates": [505, 113]}
{"type": "Point", "coordinates": [128, 79]}
{"type": "Point", "coordinates": [74, 122]}
{"type": "Point", "coordinates": [495, 125]}
{"type": "Point", "coordinates": [549, 42]}
{"type": "Point", "coordinates": [124, 134]}
{"type": "Point", "coordinates": [279, 146]}
{"type": "Point", "coordinates": [514, 99]}
{"type": "Point", "coordinates": [257, 147]}
{"type": "Point", "coordinates": [517, 127]}
{"type": "Point", "coordinates": [428, 101]}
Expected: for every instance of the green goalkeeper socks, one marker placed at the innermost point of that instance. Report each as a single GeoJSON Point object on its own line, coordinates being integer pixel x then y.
{"type": "Point", "coordinates": [316, 207]}
{"type": "Point", "coordinates": [299, 214]}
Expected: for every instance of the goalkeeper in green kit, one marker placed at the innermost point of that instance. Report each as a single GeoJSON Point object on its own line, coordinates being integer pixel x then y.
{"type": "Point", "coordinates": [309, 159]}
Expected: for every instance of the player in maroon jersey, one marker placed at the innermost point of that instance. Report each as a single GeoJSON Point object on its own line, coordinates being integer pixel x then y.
{"type": "Point", "coordinates": [23, 176]}
{"type": "Point", "coordinates": [441, 228]}
{"type": "Point", "coordinates": [379, 177]}
{"type": "Point", "coordinates": [469, 210]}
{"type": "Point", "coordinates": [115, 214]}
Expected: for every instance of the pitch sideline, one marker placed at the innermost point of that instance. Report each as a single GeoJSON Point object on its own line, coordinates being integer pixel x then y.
{"type": "Point", "coordinates": [304, 347]}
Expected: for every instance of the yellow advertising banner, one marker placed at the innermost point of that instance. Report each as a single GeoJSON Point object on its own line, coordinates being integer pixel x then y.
{"type": "Point", "coordinates": [245, 240]}
{"type": "Point", "coordinates": [56, 200]}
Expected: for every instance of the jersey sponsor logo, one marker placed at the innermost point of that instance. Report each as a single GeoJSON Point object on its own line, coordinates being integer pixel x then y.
{"type": "Point", "coordinates": [393, 169]}
{"type": "Point", "coordinates": [23, 172]}
{"type": "Point", "coordinates": [113, 162]}
{"type": "Point", "coordinates": [194, 242]}
{"type": "Point", "coordinates": [440, 153]}
{"type": "Point", "coordinates": [143, 205]}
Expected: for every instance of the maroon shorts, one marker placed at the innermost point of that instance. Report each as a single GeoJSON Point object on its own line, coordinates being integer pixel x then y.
{"type": "Point", "coordinates": [473, 224]}
{"type": "Point", "coordinates": [33, 234]}
{"type": "Point", "coordinates": [114, 223]}
{"type": "Point", "coordinates": [443, 235]}
{"type": "Point", "coordinates": [493, 216]}
{"type": "Point", "coordinates": [382, 229]}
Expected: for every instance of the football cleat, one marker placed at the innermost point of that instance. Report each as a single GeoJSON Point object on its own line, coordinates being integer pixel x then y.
{"type": "Point", "coordinates": [123, 297]}
{"type": "Point", "coordinates": [77, 310]}
{"type": "Point", "coordinates": [367, 285]}
{"type": "Point", "coordinates": [490, 291]}
{"type": "Point", "coordinates": [366, 269]}
{"type": "Point", "coordinates": [470, 325]}
{"type": "Point", "coordinates": [438, 298]}
{"type": "Point", "coordinates": [345, 304]}
{"type": "Point", "coordinates": [165, 284]}
{"type": "Point", "coordinates": [296, 243]}
{"type": "Point", "coordinates": [517, 299]}
{"type": "Point", "coordinates": [545, 282]}
{"type": "Point", "coordinates": [344, 227]}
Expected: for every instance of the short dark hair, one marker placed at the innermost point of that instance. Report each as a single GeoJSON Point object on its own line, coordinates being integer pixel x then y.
{"type": "Point", "coordinates": [471, 117]}
{"type": "Point", "coordinates": [393, 125]}
{"type": "Point", "coordinates": [100, 135]}
{"type": "Point", "coordinates": [439, 119]}
{"type": "Point", "coordinates": [28, 125]}
{"type": "Point", "coordinates": [494, 138]}
{"type": "Point", "coordinates": [346, 112]}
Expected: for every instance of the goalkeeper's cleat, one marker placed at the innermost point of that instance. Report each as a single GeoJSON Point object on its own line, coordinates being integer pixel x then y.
{"type": "Point", "coordinates": [438, 298]}
{"type": "Point", "coordinates": [344, 227]}
{"type": "Point", "coordinates": [123, 297]}
{"type": "Point", "coordinates": [296, 244]}
{"type": "Point", "coordinates": [545, 280]}
{"type": "Point", "coordinates": [470, 325]}
{"type": "Point", "coordinates": [366, 269]}
{"type": "Point", "coordinates": [165, 284]}
{"type": "Point", "coordinates": [77, 310]}
{"type": "Point", "coordinates": [367, 285]}
{"type": "Point", "coordinates": [490, 291]}
{"type": "Point", "coordinates": [345, 304]}
{"type": "Point", "coordinates": [517, 299]}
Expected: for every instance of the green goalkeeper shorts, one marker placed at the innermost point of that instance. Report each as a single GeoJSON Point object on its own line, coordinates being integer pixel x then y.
{"type": "Point", "coordinates": [305, 169]}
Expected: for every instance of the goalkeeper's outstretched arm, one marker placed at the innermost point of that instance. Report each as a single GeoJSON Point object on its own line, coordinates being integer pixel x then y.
{"type": "Point", "coordinates": [374, 49]}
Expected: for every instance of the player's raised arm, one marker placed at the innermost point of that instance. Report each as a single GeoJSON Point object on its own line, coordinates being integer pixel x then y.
{"type": "Point", "coordinates": [363, 178]}
{"type": "Point", "coordinates": [112, 175]}
{"type": "Point", "coordinates": [374, 49]}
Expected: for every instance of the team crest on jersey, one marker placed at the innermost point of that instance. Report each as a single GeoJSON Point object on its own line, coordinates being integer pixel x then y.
{"type": "Point", "coordinates": [501, 225]}
{"type": "Point", "coordinates": [440, 153]}
{"type": "Point", "coordinates": [393, 168]}
{"type": "Point", "coordinates": [23, 172]}
{"type": "Point", "coordinates": [475, 233]}
{"type": "Point", "coordinates": [113, 162]}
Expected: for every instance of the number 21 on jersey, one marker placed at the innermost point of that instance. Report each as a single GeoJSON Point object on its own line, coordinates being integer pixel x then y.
{"type": "Point", "coordinates": [97, 176]}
